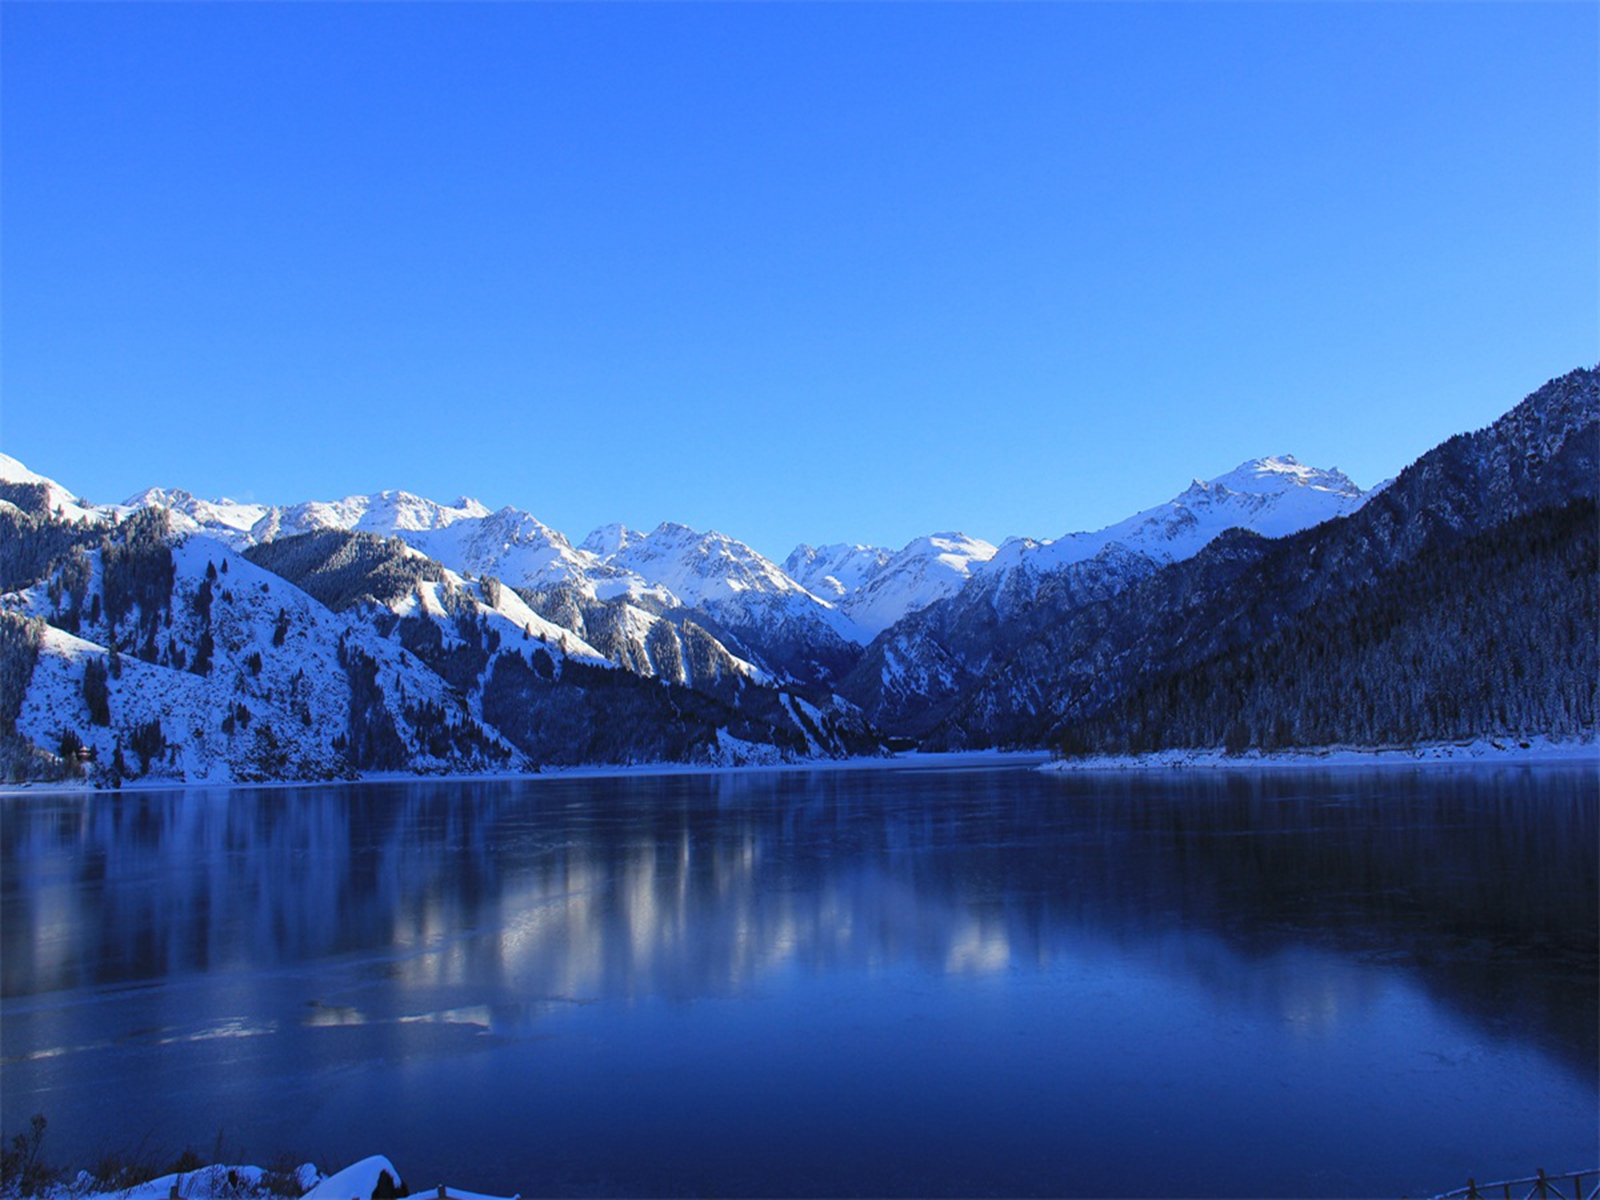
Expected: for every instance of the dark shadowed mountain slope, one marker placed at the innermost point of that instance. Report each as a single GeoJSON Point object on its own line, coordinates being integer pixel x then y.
{"type": "Point", "coordinates": [1494, 635]}
{"type": "Point", "coordinates": [1070, 658]}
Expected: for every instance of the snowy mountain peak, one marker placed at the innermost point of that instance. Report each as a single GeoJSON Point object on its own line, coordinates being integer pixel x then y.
{"type": "Point", "coordinates": [405, 512]}
{"type": "Point", "coordinates": [836, 570]}
{"type": "Point", "coordinates": [1273, 496]}
{"type": "Point", "coordinates": [699, 568]}
{"type": "Point", "coordinates": [928, 568]}
{"type": "Point", "coordinates": [12, 471]}
{"type": "Point", "coordinates": [1278, 473]}
{"type": "Point", "coordinates": [57, 498]}
{"type": "Point", "coordinates": [609, 539]}
{"type": "Point", "coordinates": [159, 497]}
{"type": "Point", "coordinates": [955, 550]}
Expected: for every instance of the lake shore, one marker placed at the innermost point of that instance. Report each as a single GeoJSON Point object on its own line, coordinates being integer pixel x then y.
{"type": "Point", "coordinates": [1478, 752]}
{"type": "Point", "coordinates": [1483, 751]}
{"type": "Point", "coordinates": [914, 760]}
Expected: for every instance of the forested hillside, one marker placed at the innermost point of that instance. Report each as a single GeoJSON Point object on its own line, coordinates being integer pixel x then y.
{"type": "Point", "coordinates": [1495, 635]}
{"type": "Point", "coordinates": [1237, 594]}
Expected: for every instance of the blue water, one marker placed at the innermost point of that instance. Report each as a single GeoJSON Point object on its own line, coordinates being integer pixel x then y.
{"type": "Point", "coordinates": [883, 982]}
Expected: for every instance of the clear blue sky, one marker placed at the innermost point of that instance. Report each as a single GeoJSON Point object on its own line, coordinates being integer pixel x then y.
{"type": "Point", "coordinates": [821, 272]}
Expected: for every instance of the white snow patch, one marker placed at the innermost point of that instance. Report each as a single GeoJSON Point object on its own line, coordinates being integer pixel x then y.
{"type": "Point", "coordinates": [1485, 751]}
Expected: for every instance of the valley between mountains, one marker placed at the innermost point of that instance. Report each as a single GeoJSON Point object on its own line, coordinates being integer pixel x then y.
{"type": "Point", "coordinates": [176, 639]}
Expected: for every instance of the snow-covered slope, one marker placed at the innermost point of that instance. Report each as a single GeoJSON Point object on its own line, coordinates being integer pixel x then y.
{"type": "Point", "coordinates": [804, 624]}
{"type": "Point", "coordinates": [836, 571]}
{"type": "Point", "coordinates": [240, 523]}
{"type": "Point", "coordinates": [670, 568]}
{"type": "Point", "coordinates": [214, 669]}
{"type": "Point", "coordinates": [1270, 496]}
{"type": "Point", "coordinates": [781, 625]}
{"type": "Point", "coordinates": [57, 499]}
{"type": "Point", "coordinates": [875, 587]}
{"type": "Point", "coordinates": [918, 668]}
{"type": "Point", "coordinates": [928, 569]}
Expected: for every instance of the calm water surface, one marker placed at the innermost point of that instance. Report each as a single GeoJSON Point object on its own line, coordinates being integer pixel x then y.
{"type": "Point", "coordinates": [931, 982]}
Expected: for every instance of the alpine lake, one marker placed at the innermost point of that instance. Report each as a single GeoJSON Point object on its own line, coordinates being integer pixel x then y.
{"type": "Point", "coordinates": [965, 979]}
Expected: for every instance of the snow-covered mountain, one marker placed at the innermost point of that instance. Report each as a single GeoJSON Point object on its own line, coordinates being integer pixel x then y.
{"type": "Point", "coordinates": [778, 627]}
{"type": "Point", "coordinates": [875, 587]}
{"type": "Point", "coordinates": [927, 569]}
{"type": "Point", "coordinates": [245, 641]}
{"type": "Point", "coordinates": [1459, 602]}
{"type": "Point", "coordinates": [39, 495]}
{"type": "Point", "coordinates": [1271, 496]}
{"type": "Point", "coordinates": [805, 623]}
{"type": "Point", "coordinates": [919, 665]}
{"type": "Point", "coordinates": [835, 571]}
{"type": "Point", "coordinates": [786, 628]}
{"type": "Point", "coordinates": [173, 657]}
{"type": "Point", "coordinates": [227, 640]}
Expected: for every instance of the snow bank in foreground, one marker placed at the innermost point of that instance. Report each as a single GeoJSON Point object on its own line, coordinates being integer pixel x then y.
{"type": "Point", "coordinates": [363, 1180]}
{"type": "Point", "coordinates": [1492, 751]}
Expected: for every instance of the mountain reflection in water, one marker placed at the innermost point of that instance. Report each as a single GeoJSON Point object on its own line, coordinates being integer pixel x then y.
{"type": "Point", "coordinates": [431, 919]}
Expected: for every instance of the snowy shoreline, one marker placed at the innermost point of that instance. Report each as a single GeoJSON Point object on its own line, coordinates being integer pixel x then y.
{"type": "Point", "coordinates": [906, 760]}
{"type": "Point", "coordinates": [359, 1181]}
{"type": "Point", "coordinates": [1480, 752]}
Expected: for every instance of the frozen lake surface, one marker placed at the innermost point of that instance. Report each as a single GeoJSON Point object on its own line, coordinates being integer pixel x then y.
{"type": "Point", "coordinates": [929, 982]}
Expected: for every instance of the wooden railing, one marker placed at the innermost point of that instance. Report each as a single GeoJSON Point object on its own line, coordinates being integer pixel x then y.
{"type": "Point", "coordinates": [445, 1194]}
{"type": "Point", "coordinates": [1534, 1187]}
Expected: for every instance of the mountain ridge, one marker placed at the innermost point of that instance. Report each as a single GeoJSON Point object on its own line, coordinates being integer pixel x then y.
{"type": "Point", "coordinates": [453, 637]}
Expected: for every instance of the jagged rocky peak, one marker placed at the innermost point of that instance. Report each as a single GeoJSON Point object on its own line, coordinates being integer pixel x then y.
{"type": "Point", "coordinates": [834, 571]}
{"type": "Point", "coordinates": [926, 569]}
{"type": "Point", "coordinates": [609, 539]}
{"type": "Point", "coordinates": [954, 549]}
{"type": "Point", "coordinates": [700, 567]}
{"type": "Point", "coordinates": [517, 527]}
{"type": "Point", "coordinates": [1278, 473]}
{"type": "Point", "coordinates": [160, 497]}
{"type": "Point", "coordinates": [388, 512]}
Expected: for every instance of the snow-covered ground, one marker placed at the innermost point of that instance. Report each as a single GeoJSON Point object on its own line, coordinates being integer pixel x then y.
{"type": "Point", "coordinates": [1488, 751]}
{"type": "Point", "coordinates": [359, 1181]}
{"type": "Point", "coordinates": [953, 760]}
